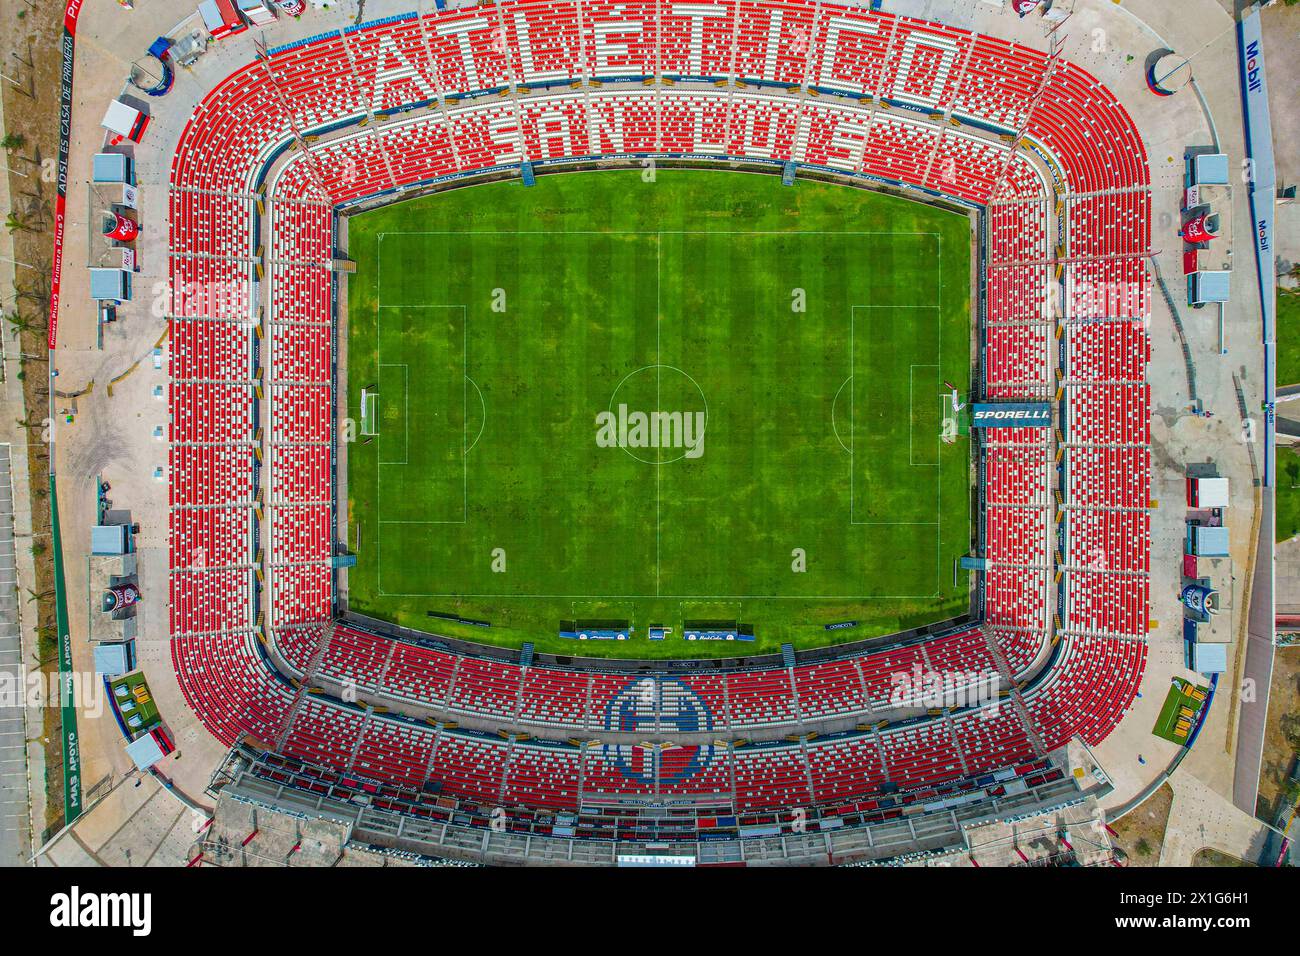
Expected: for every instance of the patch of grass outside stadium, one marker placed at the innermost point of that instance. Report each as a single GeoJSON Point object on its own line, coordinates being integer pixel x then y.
{"type": "Point", "coordinates": [1209, 856]}
{"type": "Point", "coordinates": [806, 331]}
{"type": "Point", "coordinates": [1287, 497]}
{"type": "Point", "coordinates": [1288, 338]}
{"type": "Point", "coordinates": [147, 710]}
{"type": "Point", "coordinates": [1180, 696]}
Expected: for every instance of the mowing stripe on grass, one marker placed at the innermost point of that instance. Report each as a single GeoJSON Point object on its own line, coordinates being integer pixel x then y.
{"type": "Point", "coordinates": [812, 490]}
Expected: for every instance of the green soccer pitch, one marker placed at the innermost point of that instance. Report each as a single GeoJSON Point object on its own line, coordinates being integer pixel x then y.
{"type": "Point", "coordinates": [795, 341]}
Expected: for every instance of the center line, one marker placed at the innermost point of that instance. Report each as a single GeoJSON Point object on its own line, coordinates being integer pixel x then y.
{"type": "Point", "coordinates": [658, 381]}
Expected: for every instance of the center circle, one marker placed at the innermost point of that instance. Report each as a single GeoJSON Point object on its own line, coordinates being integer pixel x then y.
{"type": "Point", "coordinates": [667, 390]}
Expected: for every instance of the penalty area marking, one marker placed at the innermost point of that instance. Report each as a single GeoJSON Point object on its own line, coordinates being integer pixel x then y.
{"type": "Point", "coordinates": [465, 445]}
{"type": "Point", "coordinates": [834, 426]}
{"type": "Point", "coordinates": [482, 419]}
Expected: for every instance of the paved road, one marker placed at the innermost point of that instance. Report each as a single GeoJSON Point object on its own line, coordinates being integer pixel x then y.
{"type": "Point", "coordinates": [1200, 817]}
{"type": "Point", "coordinates": [1259, 665]}
{"type": "Point", "coordinates": [15, 835]}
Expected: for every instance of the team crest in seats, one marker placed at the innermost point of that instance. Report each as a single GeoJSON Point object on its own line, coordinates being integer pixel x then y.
{"type": "Point", "coordinates": [664, 706]}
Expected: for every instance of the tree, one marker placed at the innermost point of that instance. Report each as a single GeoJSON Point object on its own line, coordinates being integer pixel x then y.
{"type": "Point", "coordinates": [1289, 724]}
{"type": "Point", "coordinates": [47, 644]}
{"type": "Point", "coordinates": [21, 322]}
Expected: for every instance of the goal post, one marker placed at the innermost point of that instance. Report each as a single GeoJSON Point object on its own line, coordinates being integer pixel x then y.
{"type": "Point", "coordinates": [369, 412]}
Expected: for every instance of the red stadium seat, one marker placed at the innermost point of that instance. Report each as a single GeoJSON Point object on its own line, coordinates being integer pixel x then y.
{"type": "Point", "coordinates": [902, 100]}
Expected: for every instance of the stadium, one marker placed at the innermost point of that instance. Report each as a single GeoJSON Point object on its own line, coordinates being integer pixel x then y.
{"type": "Point", "coordinates": [547, 783]}
{"type": "Point", "coordinates": [644, 432]}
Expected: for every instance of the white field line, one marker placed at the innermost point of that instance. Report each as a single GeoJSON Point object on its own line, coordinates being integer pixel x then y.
{"type": "Point", "coordinates": [659, 234]}
{"type": "Point", "coordinates": [379, 518]}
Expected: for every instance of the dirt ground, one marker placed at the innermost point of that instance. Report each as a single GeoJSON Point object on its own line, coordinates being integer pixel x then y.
{"type": "Point", "coordinates": [1283, 719]}
{"type": "Point", "coordinates": [32, 33]}
{"type": "Point", "coordinates": [1140, 835]}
